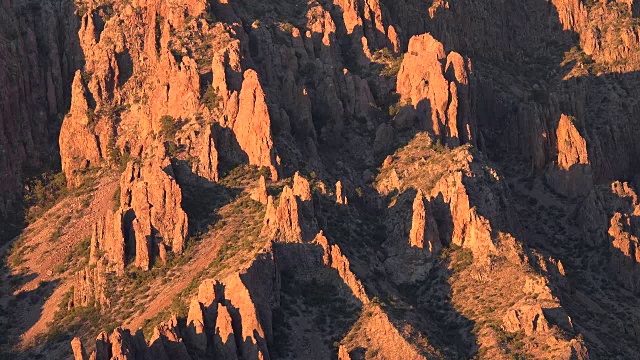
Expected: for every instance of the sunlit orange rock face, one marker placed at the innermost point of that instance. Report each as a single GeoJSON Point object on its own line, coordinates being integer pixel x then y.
{"type": "Point", "coordinates": [267, 179]}
{"type": "Point", "coordinates": [437, 85]}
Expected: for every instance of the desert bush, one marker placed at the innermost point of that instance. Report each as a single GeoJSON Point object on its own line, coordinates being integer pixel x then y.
{"type": "Point", "coordinates": [391, 63]}
{"type": "Point", "coordinates": [211, 99]}
{"type": "Point", "coordinates": [169, 127]}
{"type": "Point", "coordinates": [42, 192]}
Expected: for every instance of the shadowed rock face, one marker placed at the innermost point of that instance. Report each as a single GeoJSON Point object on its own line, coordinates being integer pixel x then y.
{"type": "Point", "coordinates": [151, 201]}
{"type": "Point", "coordinates": [363, 179]}
{"type": "Point", "coordinates": [437, 84]}
{"type": "Point", "coordinates": [79, 148]}
{"type": "Point", "coordinates": [40, 55]}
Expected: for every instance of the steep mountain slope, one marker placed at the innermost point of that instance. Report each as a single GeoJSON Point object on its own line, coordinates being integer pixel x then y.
{"type": "Point", "coordinates": [245, 179]}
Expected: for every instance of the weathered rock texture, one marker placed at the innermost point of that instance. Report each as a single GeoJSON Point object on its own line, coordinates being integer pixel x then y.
{"type": "Point", "coordinates": [39, 57]}
{"type": "Point", "coordinates": [424, 230]}
{"type": "Point", "coordinates": [571, 173]}
{"type": "Point", "coordinates": [79, 147]}
{"type": "Point", "coordinates": [609, 220]}
{"type": "Point", "coordinates": [89, 288]}
{"type": "Point", "coordinates": [230, 318]}
{"type": "Point", "coordinates": [293, 220]}
{"type": "Point", "coordinates": [414, 241]}
{"type": "Point", "coordinates": [184, 94]}
{"type": "Point", "coordinates": [151, 204]}
{"type": "Point", "coordinates": [252, 126]}
{"type": "Point", "coordinates": [107, 238]}
{"type": "Point", "coordinates": [437, 85]}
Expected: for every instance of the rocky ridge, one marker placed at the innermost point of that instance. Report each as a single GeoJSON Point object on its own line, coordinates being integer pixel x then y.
{"type": "Point", "coordinates": [217, 113]}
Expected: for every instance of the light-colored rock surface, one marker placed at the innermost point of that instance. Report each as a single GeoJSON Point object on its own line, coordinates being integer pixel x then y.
{"type": "Point", "coordinates": [151, 204]}
{"type": "Point", "coordinates": [424, 230]}
{"type": "Point", "coordinates": [78, 143]}
{"type": "Point", "coordinates": [571, 174]}
{"type": "Point", "coordinates": [252, 126]}
{"type": "Point", "coordinates": [259, 194]}
{"type": "Point", "coordinates": [437, 84]}
{"type": "Point", "coordinates": [224, 339]}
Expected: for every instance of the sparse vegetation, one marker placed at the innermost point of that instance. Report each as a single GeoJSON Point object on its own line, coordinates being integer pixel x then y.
{"type": "Point", "coordinates": [391, 63]}
{"type": "Point", "coordinates": [120, 159]}
{"type": "Point", "coordinates": [42, 192]}
{"type": "Point", "coordinates": [395, 108]}
{"type": "Point", "coordinates": [169, 126]}
{"type": "Point", "coordinates": [211, 98]}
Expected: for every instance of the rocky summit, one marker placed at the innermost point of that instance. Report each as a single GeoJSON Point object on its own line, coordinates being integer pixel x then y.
{"type": "Point", "coordinates": [319, 179]}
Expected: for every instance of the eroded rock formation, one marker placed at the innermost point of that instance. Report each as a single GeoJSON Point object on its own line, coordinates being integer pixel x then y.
{"type": "Point", "coordinates": [151, 203]}
{"type": "Point", "coordinates": [40, 55]}
{"type": "Point", "coordinates": [437, 85]}
{"type": "Point", "coordinates": [79, 147]}
{"type": "Point", "coordinates": [90, 288]}
{"type": "Point", "coordinates": [184, 93]}
{"type": "Point", "coordinates": [424, 230]}
{"type": "Point", "coordinates": [571, 173]}
{"type": "Point", "coordinates": [252, 126]}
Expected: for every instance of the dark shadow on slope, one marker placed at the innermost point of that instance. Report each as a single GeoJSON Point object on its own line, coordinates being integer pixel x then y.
{"type": "Point", "coordinates": [524, 48]}
{"type": "Point", "coordinates": [16, 311]}
{"type": "Point", "coordinates": [201, 197]}
{"type": "Point", "coordinates": [40, 61]}
{"type": "Point", "coordinates": [520, 42]}
{"type": "Point", "coordinates": [357, 228]}
{"type": "Point", "coordinates": [360, 232]}
{"type": "Point", "coordinates": [45, 42]}
{"type": "Point", "coordinates": [315, 300]}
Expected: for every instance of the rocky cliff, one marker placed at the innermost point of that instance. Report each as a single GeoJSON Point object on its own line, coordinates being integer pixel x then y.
{"type": "Point", "coordinates": [40, 54]}
{"type": "Point", "coordinates": [247, 179]}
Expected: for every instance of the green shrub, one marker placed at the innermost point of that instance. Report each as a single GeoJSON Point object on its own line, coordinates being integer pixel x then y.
{"type": "Point", "coordinates": [288, 28]}
{"type": "Point", "coordinates": [86, 76]}
{"type": "Point", "coordinates": [116, 199]}
{"type": "Point", "coordinates": [42, 193]}
{"type": "Point", "coordinates": [391, 63]}
{"type": "Point", "coordinates": [91, 116]}
{"type": "Point", "coordinates": [211, 99]}
{"type": "Point", "coordinates": [172, 149]}
{"type": "Point", "coordinates": [121, 159]}
{"type": "Point", "coordinates": [169, 127]}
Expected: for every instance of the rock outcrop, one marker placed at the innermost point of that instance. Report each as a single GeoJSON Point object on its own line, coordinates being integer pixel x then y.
{"type": "Point", "coordinates": [523, 316]}
{"type": "Point", "coordinates": [437, 85]}
{"type": "Point", "coordinates": [424, 230]}
{"type": "Point", "coordinates": [195, 335]}
{"type": "Point", "coordinates": [259, 194]}
{"type": "Point", "coordinates": [204, 149]}
{"type": "Point", "coordinates": [39, 58]}
{"type": "Point", "coordinates": [252, 126]}
{"type": "Point", "coordinates": [625, 247]}
{"type": "Point", "coordinates": [379, 333]}
{"type": "Point", "coordinates": [107, 238]}
{"type": "Point", "coordinates": [367, 28]}
{"type": "Point", "coordinates": [89, 288]}
{"type": "Point", "coordinates": [341, 198]}
{"type": "Point", "coordinates": [294, 218]}
{"type": "Point", "coordinates": [609, 220]}
{"type": "Point", "coordinates": [283, 222]}
{"type": "Point", "coordinates": [413, 241]}
{"type": "Point", "coordinates": [334, 258]}
{"type": "Point", "coordinates": [151, 204]}
{"type": "Point", "coordinates": [78, 349]}
{"type": "Point", "coordinates": [79, 148]}
{"type": "Point", "coordinates": [301, 188]}
{"type": "Point", "coordinates": [224, 339]}
{"type": "Point", "coordinates": [571, 174]}
{"type": "Point", "coordinates": [231, 318]}
{"type": "Point", "coordinates": [182, 92]}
